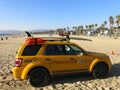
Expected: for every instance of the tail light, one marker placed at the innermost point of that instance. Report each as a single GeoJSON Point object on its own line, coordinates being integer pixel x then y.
{"type": "Point", "coordinates": [18, 62]}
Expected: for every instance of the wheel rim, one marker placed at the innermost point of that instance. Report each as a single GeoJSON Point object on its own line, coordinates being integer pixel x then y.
{"type": "Point", "coordinates": [38, 78]}
{"type": "Point", "coordinates": [100, 71]}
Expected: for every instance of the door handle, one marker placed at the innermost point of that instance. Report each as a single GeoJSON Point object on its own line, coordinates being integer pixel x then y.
{"type": "Point", "coordinates": [72, 59]}
{"type": "Point", "coordinates": [47, 59]}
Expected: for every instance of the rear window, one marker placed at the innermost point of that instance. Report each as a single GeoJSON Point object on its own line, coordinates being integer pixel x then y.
{"type": "Point", "coordinates": [31, 50]}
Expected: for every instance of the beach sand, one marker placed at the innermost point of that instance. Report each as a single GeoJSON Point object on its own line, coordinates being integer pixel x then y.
{"type": "Point", "coordinates": [102, 44]}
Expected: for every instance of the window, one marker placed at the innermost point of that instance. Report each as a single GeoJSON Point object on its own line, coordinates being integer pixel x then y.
{"type": "Point", "coordinates": [31, 50]}
{"type": "Point", "coordinates": [63, 50]}
{"type": "Point", "coordinates": [54, 50]}
{"type": "Point", "coordinates": [73, 50]}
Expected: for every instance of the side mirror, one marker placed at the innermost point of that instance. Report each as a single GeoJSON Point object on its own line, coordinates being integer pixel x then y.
{"type": "Point", "coordinates": [81, 53]}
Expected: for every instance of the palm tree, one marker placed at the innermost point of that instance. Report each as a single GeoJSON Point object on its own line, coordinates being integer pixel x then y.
{"type": "Point", "coordinates": [117, 22]}
{"type": "Point", "coordinates": [68, 28]}
{"type": "Point", "coordinates": [98, 29]}
{"type": "Point", "coordinates": [105, 23]}
{"type": "Point", "coordinates": [90, 27]}
{"type": "Point", "coordinates": [59, 30]}
{"type": "Point", "coordinates": [86, 26]}
{"type": "Point", "coordinates": [75, 29]}
{"type": "Point", "coordinates": [95, 26]}
{"type": "Point", "coordinates": [118, 17]}
{"type": "Point", "coordinates": [81, 29]}
{"type": "Point", "coordinates": [102, 28]}
{"type": "Point", "coordinates": [111, 20]}
{"type": "Point", "coordinates": [64, 29]}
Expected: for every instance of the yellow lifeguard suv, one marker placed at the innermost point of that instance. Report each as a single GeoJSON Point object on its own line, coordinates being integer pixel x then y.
{"type": "Point", "coordinates": [40, 58]}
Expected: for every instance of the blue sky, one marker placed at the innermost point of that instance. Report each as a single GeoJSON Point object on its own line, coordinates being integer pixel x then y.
{"type": "Point", "coordinates": [52, 14]}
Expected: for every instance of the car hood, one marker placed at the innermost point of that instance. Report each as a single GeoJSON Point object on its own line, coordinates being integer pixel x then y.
{"type": "Point", "coordinates": [95, 54]}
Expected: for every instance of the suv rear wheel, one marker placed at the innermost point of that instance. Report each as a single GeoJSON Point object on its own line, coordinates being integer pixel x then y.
{"type": "Point", "coordinates": [38, 77]}
{"type": "Point", "coordinates": [100, 70]}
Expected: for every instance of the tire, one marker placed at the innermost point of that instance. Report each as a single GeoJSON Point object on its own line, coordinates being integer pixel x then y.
{"type": "Point", "coordinates": [100, 70]}
{"type": "Point", "coordinates": [38, 77]}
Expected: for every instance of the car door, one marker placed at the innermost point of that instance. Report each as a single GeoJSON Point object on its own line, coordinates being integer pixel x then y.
{"type": "Point", "coordinates": [58, 62]}
{"type": "Point", "coordinates": [79, 57]}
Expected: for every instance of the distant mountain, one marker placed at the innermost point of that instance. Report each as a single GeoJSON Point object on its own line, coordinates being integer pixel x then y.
{"type": "Point", "coordinates": [41, 30]}
{"type": "Point", "coordinates": [11, 32]}
{"type": "Point", "coordinates": [22, 32]}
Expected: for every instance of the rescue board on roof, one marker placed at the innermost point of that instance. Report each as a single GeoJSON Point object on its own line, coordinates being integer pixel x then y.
{"type": "Point", "coordinates": [67, 38]}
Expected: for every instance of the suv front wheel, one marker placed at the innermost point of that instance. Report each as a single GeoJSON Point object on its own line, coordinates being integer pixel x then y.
{"type": "Point", "coordinates": [100, 70]}
{"type": "Point", "coordinates": [38, 77]}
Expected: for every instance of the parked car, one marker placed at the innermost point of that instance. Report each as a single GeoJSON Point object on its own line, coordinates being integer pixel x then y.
{"type": "Point", "coordinates": [38, 59]}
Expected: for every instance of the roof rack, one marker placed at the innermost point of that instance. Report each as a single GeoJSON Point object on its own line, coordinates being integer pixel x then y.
{"type": "Point", "coordinates": [53, 38]}
{"type": "Point", "coordinates": [59, 38]}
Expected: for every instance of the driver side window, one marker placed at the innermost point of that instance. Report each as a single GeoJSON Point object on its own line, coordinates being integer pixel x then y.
{"type": "Point", "coordinates": [73, 50]}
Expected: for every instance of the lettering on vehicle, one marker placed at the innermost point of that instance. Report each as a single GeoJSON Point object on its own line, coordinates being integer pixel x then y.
{"type": "Point", "coordinates": [80, 61]}
{"type": "Point", "coordinates": [62, 62]}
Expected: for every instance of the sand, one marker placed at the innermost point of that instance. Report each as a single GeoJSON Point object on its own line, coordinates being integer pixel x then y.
{"type": "Point", "coordinates": [102, 44]}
